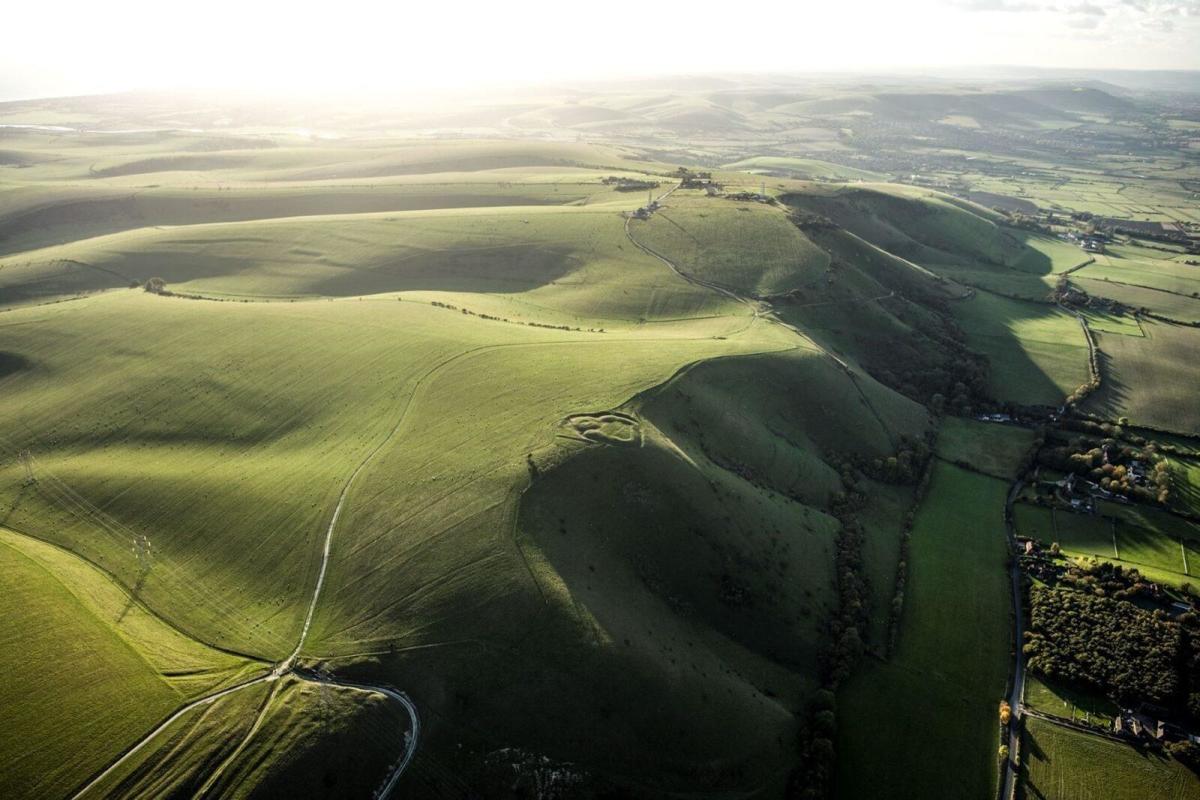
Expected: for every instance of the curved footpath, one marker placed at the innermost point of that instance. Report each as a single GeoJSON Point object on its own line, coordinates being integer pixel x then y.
{"type": "Point", "coordinates": [288, 665]}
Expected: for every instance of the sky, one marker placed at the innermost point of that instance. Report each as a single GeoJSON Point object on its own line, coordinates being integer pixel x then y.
{"type": "Point", "coordinates": [83, 47]}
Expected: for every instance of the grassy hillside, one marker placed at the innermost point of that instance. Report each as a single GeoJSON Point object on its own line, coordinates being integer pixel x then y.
{"type": "Point", "coordinates": [920, 225]}
{"type": "Point", "coordinates": [177, 762]}
{"type": "Point", "coordinates": [95, 669]}
{"type": "Point", "coordinates": [749, 247]}
{"type": "Point", "coordinates": [888, 315]}
{"type": "Point", "coordinates": [579, 502]}
{"type": "Point", "coordinates": [321, 741]}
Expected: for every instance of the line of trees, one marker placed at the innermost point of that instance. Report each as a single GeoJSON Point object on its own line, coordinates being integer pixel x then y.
{"type": "Point", "coordinates": [813, 778]}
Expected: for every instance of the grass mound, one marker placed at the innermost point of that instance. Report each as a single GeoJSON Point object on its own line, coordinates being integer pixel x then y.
{"type": "Point", "coordinates": [935, 229]}
{"type": "Point", "coordinates": [749, 247]}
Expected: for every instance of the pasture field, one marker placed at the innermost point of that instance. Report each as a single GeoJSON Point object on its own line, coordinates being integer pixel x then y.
{"type": "Point", "coordinates": [1048, 697]}
{"type": "Point", "coordinates": [1038, 353]}
{"type": "Point", "coordinates": [951, 664]}
{"type": "Point", "coordinates": [1141, 266]}
{"type": "Point", "coordinates": [1151, 380]}
{"type": "Point", "coordinates": [1163, 546]}
{"type": "Point", "coordinates": [995, 449]}
{"type": "Point", "coordinates": [1061, 764]}
{"type": "Point", "coordinates": [1175, 306]}
{"type": "Point", "coordinates": [1086, 188]}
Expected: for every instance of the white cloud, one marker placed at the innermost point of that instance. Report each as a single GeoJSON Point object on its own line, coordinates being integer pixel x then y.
{"type": "Point", "coordinates": [360, 44]}
{"type": "Point", "coordinates": [1087, 9]}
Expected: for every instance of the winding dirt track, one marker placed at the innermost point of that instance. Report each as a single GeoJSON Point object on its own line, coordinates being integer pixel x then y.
{"type": "Point", "coordinates": [288, 665]}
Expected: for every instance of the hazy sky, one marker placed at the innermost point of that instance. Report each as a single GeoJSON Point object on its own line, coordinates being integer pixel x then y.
{"type": "Point", "coordinates": [82, 46]}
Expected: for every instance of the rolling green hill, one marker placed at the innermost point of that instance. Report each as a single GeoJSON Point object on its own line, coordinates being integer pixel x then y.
{"type": "Point", "coordinates": [435, 470]}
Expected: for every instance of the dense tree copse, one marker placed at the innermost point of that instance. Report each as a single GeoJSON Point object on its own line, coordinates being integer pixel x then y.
{"type": "Point", "coordinates": [1103, 643]}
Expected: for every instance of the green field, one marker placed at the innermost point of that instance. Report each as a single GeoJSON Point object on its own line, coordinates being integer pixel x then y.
{"type": "Point", "coordinates": [1038, 353]}
{"type": "Point", "coordinates": [997, 450]}
{"type": "Point", "coordinates": [465, 364]}
{"type": "Point", "coordinates": [1175, 306]}
{"type": "Point", "coordinates": [1151, 380]}
{"type": "Point", "coordinates": [96, 668]}
{"type": "Point", "coordinates": [1062, 764]}
{"type": "Point", "coordinates": [1165, 547]}
{"type": "Point", "coordinates": [1147, 268]}
{"type": "Point", "coordinates": [1061, 701]}
{"type": "Point", "coordinates": [943, 683]}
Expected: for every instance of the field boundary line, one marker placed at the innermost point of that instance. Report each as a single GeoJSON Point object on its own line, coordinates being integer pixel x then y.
{"type": "Point", "coordinates": [137, 601]}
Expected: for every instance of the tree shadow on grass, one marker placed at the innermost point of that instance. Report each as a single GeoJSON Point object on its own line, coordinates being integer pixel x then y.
{"type": "Point", "coordinates": [16, 503]}
{"type": "Point", "coordinates": [990, 323]}
{"type": "Point", "coordinates": [1111, 399]}
{"type": "Point", "coordinates": [134, 593]}
{"type": "Point", "coordinates": [1031, 749]}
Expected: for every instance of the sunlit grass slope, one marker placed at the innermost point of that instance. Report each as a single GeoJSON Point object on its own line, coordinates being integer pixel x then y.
{"type": "Point", "coordinates": [747, 246]}
{"type": "Point", "coordinates": [91, 670]}
{"type": "Point", "coordinates": [1062, 764]}
{"type": "Point", "coordinates": [590, 521]}
{"type": "Point", "coordinates": [937, 230]}
{"type": "Point", "coordinates": [1038, 352]}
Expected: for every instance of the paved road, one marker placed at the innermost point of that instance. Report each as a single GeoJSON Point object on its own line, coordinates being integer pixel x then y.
{"type": "Point", "coordinates": [410, 739]}
{"type": "Point", "coordinates": [1018, 683]}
